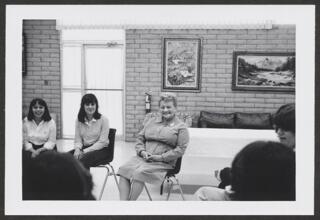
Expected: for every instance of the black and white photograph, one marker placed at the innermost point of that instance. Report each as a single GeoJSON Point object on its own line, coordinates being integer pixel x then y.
{"type": "Point", "coordinates": [120, 112]}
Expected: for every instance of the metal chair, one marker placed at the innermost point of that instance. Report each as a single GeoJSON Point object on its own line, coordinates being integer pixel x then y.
{"type": "Point", "coordinates": [106, 164]}
{"type": "Point", "coordinates": [170, 178]}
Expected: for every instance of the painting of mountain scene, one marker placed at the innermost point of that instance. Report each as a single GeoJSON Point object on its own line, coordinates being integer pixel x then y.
{"type": "Point", "coordinates": [266, 71]}
{"type": "Point", "coordinates": [181, 64]}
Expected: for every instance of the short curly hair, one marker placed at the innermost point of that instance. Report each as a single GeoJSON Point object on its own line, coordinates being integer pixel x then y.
{"type": "Point", "coordinates": [168, 97]}
{"type": "Point", "coordinates": [284, 118]}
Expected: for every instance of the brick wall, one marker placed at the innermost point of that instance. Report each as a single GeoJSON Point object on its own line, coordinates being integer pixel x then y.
{"type": "Point", "coordinates": [42, 78]}
{"type": "Point", "coordinates": [143, 71]}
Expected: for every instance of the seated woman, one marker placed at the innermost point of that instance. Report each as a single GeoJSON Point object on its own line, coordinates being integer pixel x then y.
{"type": "Point", "coordinates": [39, 129]}
{"type": "Point", "coordinates": [39, 135]}
{"type": "Point", "coordinates": [285, 125]}
{"type": "Point", "coordinates": [91, 133]}
{"type": "Point", "coordinates": [58, 176]}
{"type": "Point", "coordinates": [161, 141]}
{"type": "Point", "coordinates": [261, 171]}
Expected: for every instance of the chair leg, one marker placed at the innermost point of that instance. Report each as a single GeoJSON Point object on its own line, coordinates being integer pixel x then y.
{"type": "Point", "coordinates": [104, 182]}
{"type": "Point", "coordinates": [170, 188]}
{"type": "Point", "coordinates": [180, 189]}
{"type": "Point", "coordinates": [145, 186]}
{"type": "Point", "coordinates": [115, 176]}
{"type": "Point", "coordinates": [171, 185]}
{"type": "Point", "coordinates": [161, 186]}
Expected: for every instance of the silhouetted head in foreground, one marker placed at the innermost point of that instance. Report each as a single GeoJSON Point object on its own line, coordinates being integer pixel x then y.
{"type": "Point", "coordinates": [58, 176]}
{"type": "Point", "coordinates": [264, 171]}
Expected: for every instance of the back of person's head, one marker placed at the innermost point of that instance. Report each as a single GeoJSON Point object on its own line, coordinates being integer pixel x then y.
{"type": "Point", "coordinates": [264, 171]}
{"type": "Point", "coordinates": [284, 118]}
{"type": "Point", "coordinates": [58, 176]}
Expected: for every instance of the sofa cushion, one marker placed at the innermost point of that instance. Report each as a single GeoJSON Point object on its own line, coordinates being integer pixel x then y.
{"type": "Point", "coordinates": [253, 120]}
{"type": "Point", "coordinates": [216, 120]}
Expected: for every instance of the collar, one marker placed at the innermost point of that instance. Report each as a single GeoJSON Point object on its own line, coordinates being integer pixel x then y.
{"type": "Point", "coordinates": [160, 120]}
{"type": "Point", "coordinates": [86, 121]}
{"type": "Point", "coordinates": [41, 122]}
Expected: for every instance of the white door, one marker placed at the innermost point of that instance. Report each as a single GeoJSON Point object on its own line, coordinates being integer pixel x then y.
{"type": "Point", "coordinates": [96, 69]}
{"type": "Point", "coordinates": [104, 77]}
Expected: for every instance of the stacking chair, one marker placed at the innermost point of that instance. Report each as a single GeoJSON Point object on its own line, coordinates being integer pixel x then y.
{"type": "Point", "coordinates": [106, 164]}
{"type": "Point", "coordinates": [171, 178]}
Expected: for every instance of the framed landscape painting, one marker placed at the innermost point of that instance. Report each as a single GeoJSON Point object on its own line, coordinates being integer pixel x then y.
{"type": "Point", "coordinates": [263, 71]}
{"type": "Point", "coordinates": [181, 64]}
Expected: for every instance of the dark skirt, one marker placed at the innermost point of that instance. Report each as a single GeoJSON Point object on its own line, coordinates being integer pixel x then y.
{"type": "Point", "coordinates": [94, 158]}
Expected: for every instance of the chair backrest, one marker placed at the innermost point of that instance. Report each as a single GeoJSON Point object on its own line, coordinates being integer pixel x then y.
{"type": "Point", "coordinates": [112, 137]}
{"type": "Point", "coordinates": [176, 169]}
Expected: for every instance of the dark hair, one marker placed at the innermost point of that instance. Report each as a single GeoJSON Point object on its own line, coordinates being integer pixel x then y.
{"type": "Point", "coordinates": [58, 176]}
{"type": "Point", "coordinates": [284, 118]}
{"type": "Point", "coordinates": [46, 116]}
{"type": "Point", "coordinates": [168, 97]}
{"type": "Point", "coordinates": [87, 99]}
{"type": "Point", "coordinates": [264, 171]}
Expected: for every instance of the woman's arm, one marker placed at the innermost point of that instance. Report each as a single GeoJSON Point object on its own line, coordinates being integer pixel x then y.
{"type": "Point", "coordinates": [178, 151]}
{"type": "Point", "coordinates": [141, 141]}
{"type": "Point", "coordinates": [77, 138]}
{"type": "Point", "coordinates": [103, 138]}
{"type": "Point", "coordinates": [26, 144]}
{"type": "Point", "coordinates": [50, 144]}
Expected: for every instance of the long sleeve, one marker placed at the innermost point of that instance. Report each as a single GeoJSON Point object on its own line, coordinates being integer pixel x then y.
{"type": "Point", "coordinates": [178, 151]}
{"type": "Point", "coordinates": [77, 138]}
{"type": "Point", "coordinates": [141, 141]}
{"type": "Point", "coordinates": [26, 144]}
{"type": "Point", "coordinates": [103, 140]}
{"type": "Point", "coordinates": [52, 136]}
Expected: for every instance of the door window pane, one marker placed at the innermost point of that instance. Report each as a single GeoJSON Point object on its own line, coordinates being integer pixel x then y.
{"type": "Point", "coordinates": [71, 104]}
{"type": "Point", "coordinates": [103, 67]}
{"type": "Point", "coordinates": [110, 105]}
{"type": "Point", "coordinates": [71, 67]}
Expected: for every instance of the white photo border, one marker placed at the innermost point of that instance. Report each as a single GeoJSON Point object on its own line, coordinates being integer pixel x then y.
{"type": "Point", "coordinates": [303, 16]}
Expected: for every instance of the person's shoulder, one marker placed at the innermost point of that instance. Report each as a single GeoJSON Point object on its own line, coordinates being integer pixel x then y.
{"type": "Point", "coordinates": [51, 122]}
{"type": "Point", "coordinates": [25, 121]}
{"type": "Point", "coordinates": [180, 124]}
{"type": "Point", "coordinates": [151, 117]}
{"type": "Point", "coordinates": [103, 118]}
{"type": "Point", "coordinates": [77, 122]}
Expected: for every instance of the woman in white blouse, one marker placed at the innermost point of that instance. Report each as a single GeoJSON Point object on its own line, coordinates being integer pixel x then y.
{"type": "Point", "coordinates": [39, 129]}
{"type": "Point", "coordinates": [91, 133]}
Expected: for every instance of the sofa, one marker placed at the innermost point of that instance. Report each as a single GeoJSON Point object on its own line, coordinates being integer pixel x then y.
{"type": "Point", "coordinates": [216, 139]}
{"type": "Point", "coordinates": [236, 120]}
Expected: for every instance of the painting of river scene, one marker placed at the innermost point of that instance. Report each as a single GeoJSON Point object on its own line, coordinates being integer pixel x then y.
{"type": "Point", "coordinates": [181, 64]}
{"type": "Point", "coordinates": [263, 71]}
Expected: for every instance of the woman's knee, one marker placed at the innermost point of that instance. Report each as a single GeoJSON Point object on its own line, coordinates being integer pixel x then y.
{"type": "Point", "coordinates": [123, 179]}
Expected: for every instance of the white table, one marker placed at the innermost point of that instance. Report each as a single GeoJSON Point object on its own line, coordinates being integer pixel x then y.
{"type": "Point", "coordinates": [211, 149]}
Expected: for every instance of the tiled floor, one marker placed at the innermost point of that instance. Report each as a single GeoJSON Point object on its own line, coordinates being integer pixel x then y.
{"type": "Point", "coordinates": [123, 152]}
